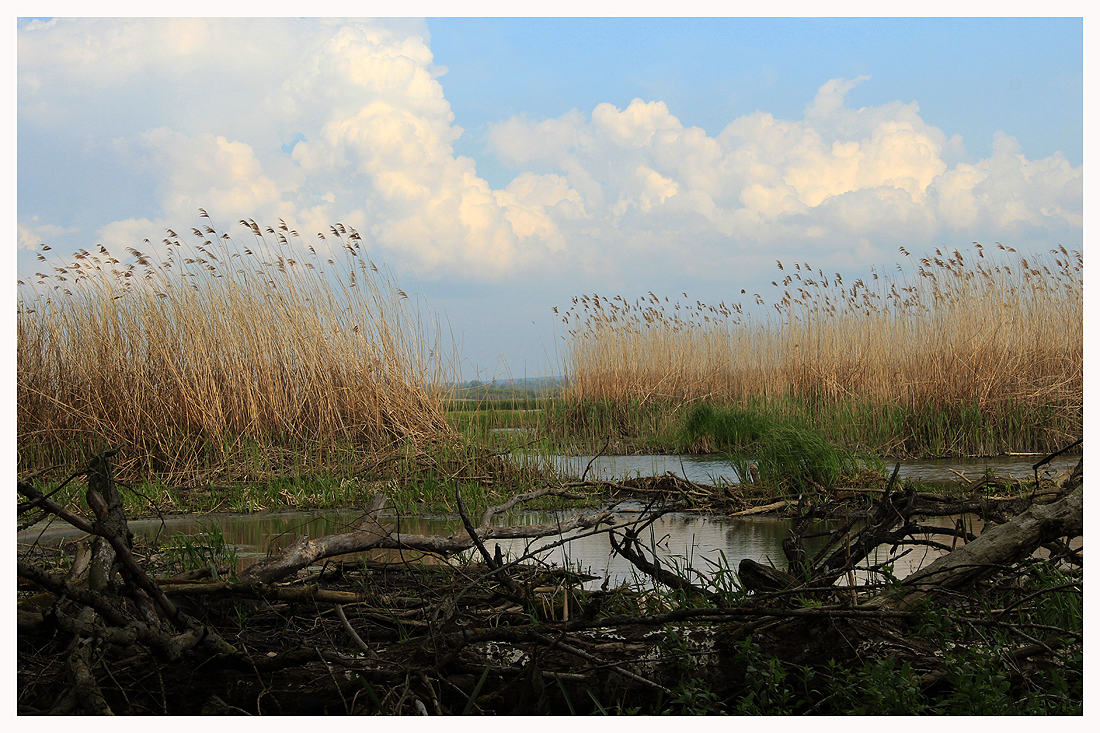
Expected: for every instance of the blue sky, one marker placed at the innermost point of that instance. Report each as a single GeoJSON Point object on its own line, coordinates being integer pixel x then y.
{"type": "Point", "coordinates": [501, 166]}
{"type": "Point", "coordinates": [968, 74]}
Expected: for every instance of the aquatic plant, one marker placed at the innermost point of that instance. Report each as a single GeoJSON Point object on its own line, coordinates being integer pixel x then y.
{"type": "Point", "coordinates": [195, 353]}
{"type": "Point", "coordinates": [763, 448]}
{"type": "Point", "coordinates": [978, 355]}
{"type": "Point", "coordinates": [207, 549]}
{"type": "Point", "coordinates": [725, 428]}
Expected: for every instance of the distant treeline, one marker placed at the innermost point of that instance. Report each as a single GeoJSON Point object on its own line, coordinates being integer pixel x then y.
{"type": "Point", "coordinates": [505, 389]}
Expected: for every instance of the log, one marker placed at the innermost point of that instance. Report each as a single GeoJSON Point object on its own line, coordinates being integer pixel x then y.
{"type": "Point", "coordinates": [762, 578]}
{"type": "Point", "coordinates": [998, 546]}
{"type": "Point", "coordinates": [104, 499]}
{"type": "Point", "coordinates": [370, 535]}
{"type": "Point", "coordinates": [761, 509]}
{"type": "Point", "coordinates": [304, 551]}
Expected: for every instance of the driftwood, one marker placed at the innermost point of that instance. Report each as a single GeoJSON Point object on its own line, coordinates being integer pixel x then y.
{"type": "Point", "coordinates": [893, 522]}
{"type": "Point", "coordinates": [371, 534]}
{"type": "Point", "coordinates": [347, 641]}
{"type": "Point", "coordinates": [756, 576]}
{"type": "Point", "coordinates": [775, 506]}
{"type": "Point", "coordinates": [999, 546]}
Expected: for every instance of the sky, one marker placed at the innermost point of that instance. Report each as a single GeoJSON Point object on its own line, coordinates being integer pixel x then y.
{"type": "Point", "coordinates": [502, 166]}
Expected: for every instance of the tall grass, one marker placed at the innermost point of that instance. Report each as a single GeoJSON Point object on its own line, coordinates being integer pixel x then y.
{"type": "Point", "coordinates": [214, 351]}
{"type": "Point", "coordinates": [948, 355]}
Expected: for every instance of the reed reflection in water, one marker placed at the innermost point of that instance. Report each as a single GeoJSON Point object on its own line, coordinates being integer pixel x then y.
{"type": "Point", "coordinates": [695, 545]}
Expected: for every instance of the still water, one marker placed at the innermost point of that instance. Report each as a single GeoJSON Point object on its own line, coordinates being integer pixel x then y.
{"type": "Point", "coordinates": [709, 469]}
{"type": "Point", "coordinates": [688, 542]}
{"type": "Point", "coordinates": [685, 542]}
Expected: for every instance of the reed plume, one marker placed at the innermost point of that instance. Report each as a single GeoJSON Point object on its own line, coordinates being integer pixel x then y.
{"type": "Point", "coordinates": [998, 336]}
{"type": "Point", "coordinates": [188, 357]}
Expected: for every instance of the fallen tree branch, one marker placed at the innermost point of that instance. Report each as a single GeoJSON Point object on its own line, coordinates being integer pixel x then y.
{"type": "Point", "coordinates": [762, 509]}
{"type": "Point", "coordinates": [352, 632]}
{"type": "Point", "coordinates": [630, 550]}
{"type": "Point", "coordinates": [997, 546]}
{"type": "Point", "coordinates": [487, 516]}
{"type": "Point", "coordinates": [492, 563]}
{"type": "Point", "coordinates": [111, 527]}
{"type": "Point", "coordinates": [569, 648]}
{"type": "Point", "coordinates": [369, 640]}
{"type": "Point", "coordinates": [371, 535]}
{"type": "Point", "coordinates": [304, 551]}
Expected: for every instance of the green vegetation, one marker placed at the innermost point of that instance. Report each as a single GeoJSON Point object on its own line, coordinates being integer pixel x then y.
{"type": "Point", "coordinates": [783, 455]}
{"type": "Point", "coordinates": [205, 550]}
{"type": "Point", "coordinates": [238, 377]}
{"type": "Point", "coordinates": [954, 357]}
{"type": "Point", "coordinates": [516, 390]}
{"type": "Point", "coordinates": [217, 355]}
{"type": "Point", "coordinates": [978, 674]}
{"type": "Point", "coordinates": [416, 480]}
{"type": "Point", "coordinates": [568, 426]}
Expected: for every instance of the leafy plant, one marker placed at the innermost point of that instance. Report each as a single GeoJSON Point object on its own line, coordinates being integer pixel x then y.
{"type": "Point", "coordinates": [206, 549]}
{"type": "Point", "coordinates": [693, 695]}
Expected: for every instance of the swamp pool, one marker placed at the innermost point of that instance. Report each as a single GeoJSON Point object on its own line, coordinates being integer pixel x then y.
{"type": "Point", "coordinates": [696, 545]}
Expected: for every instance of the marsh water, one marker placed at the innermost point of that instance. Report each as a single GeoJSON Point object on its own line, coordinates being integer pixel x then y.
{"type": "Point", "coordinates": [688, 542]}
{"type": "Point", "coordinates": [707, 543]}
{"type": "Point", "coordinates": [710, 469]}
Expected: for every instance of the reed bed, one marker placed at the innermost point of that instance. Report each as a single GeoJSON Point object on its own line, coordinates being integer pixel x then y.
{"type": "Point", "coordinates": [978, 355]}
{"type": "Point", "coordinates": [215, 352]}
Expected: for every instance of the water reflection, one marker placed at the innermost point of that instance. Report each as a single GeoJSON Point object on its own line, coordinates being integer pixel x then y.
{"type": "Point", "coordinates": [692, 543]}
{"type": "Point", "coordinates": [254, 535]}
{"type": "Point", "coordinates": [710, 469]}
{"type": "Point", "coordinates": [700, 542]}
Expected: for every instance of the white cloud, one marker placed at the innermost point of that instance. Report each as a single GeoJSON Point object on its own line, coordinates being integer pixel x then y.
{"type": "Point", "coordinates": [645, 190]}
{"type": "Point", "coordinates": [830, 98]}
{"type": "Point", "coordinates": [31, 234]}
{"type": "Point", "coordinates": [213, 101]}
{"type": "Point", "coordinates": [1007, 191]}
{"type": "Point", "coordinates": [518, 141]}
{"type": "Point", "coordinates": [636, 126]}
{"type": "Point", "coordinates": [384, 142]}
{"type": "Point", "coordinates": [531, 202]}
{"type": "Point", "coordinates": [118, 235]}
{"type": "Point", "coordinates": [840, 176]}
{"type": "Point", "coordinates": [207, 171]}
{"type": "Point", "coordinates": [202, 110]}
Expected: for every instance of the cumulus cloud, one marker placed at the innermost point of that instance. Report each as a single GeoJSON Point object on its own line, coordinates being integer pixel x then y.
{"type": "Point", "coordinates": [532, 203]}
{"type": "Point", "coordinates": [319, 121]}
{"type": "Point", "coordinates": [1007, 191]}
{"type": "Point", "coordinates": [209, 171]}
{"type": "Point", "coordinates": [29, 235]}
{"type": "Point", "coordinates": [205, 110]}
{"type": "Point", "coordinates": [839, 177]}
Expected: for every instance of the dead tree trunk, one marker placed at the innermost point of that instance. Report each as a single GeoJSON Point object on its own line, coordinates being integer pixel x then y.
{"type": "Point", "coordinates": [999, 546]}
{"type": "Point", "coordinates": [103, 498]}
{"type": "Point", "coordinates": [893, 522]}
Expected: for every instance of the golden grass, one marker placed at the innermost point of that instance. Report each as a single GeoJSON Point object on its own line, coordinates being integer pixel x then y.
{"type": "Point", "coordinates": [215, 348]}
{"type": "Point", "coordinates": [990, 334]}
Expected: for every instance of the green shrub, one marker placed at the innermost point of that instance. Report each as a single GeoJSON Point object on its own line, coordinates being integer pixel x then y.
{"type": "Point", "coordinates": [786, 455]}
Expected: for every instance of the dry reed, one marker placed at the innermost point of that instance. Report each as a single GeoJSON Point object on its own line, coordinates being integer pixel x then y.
{"type": "Point", "coordinates": [216, 349]}
{"type": "Point", "coordinates": [992, 334]}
